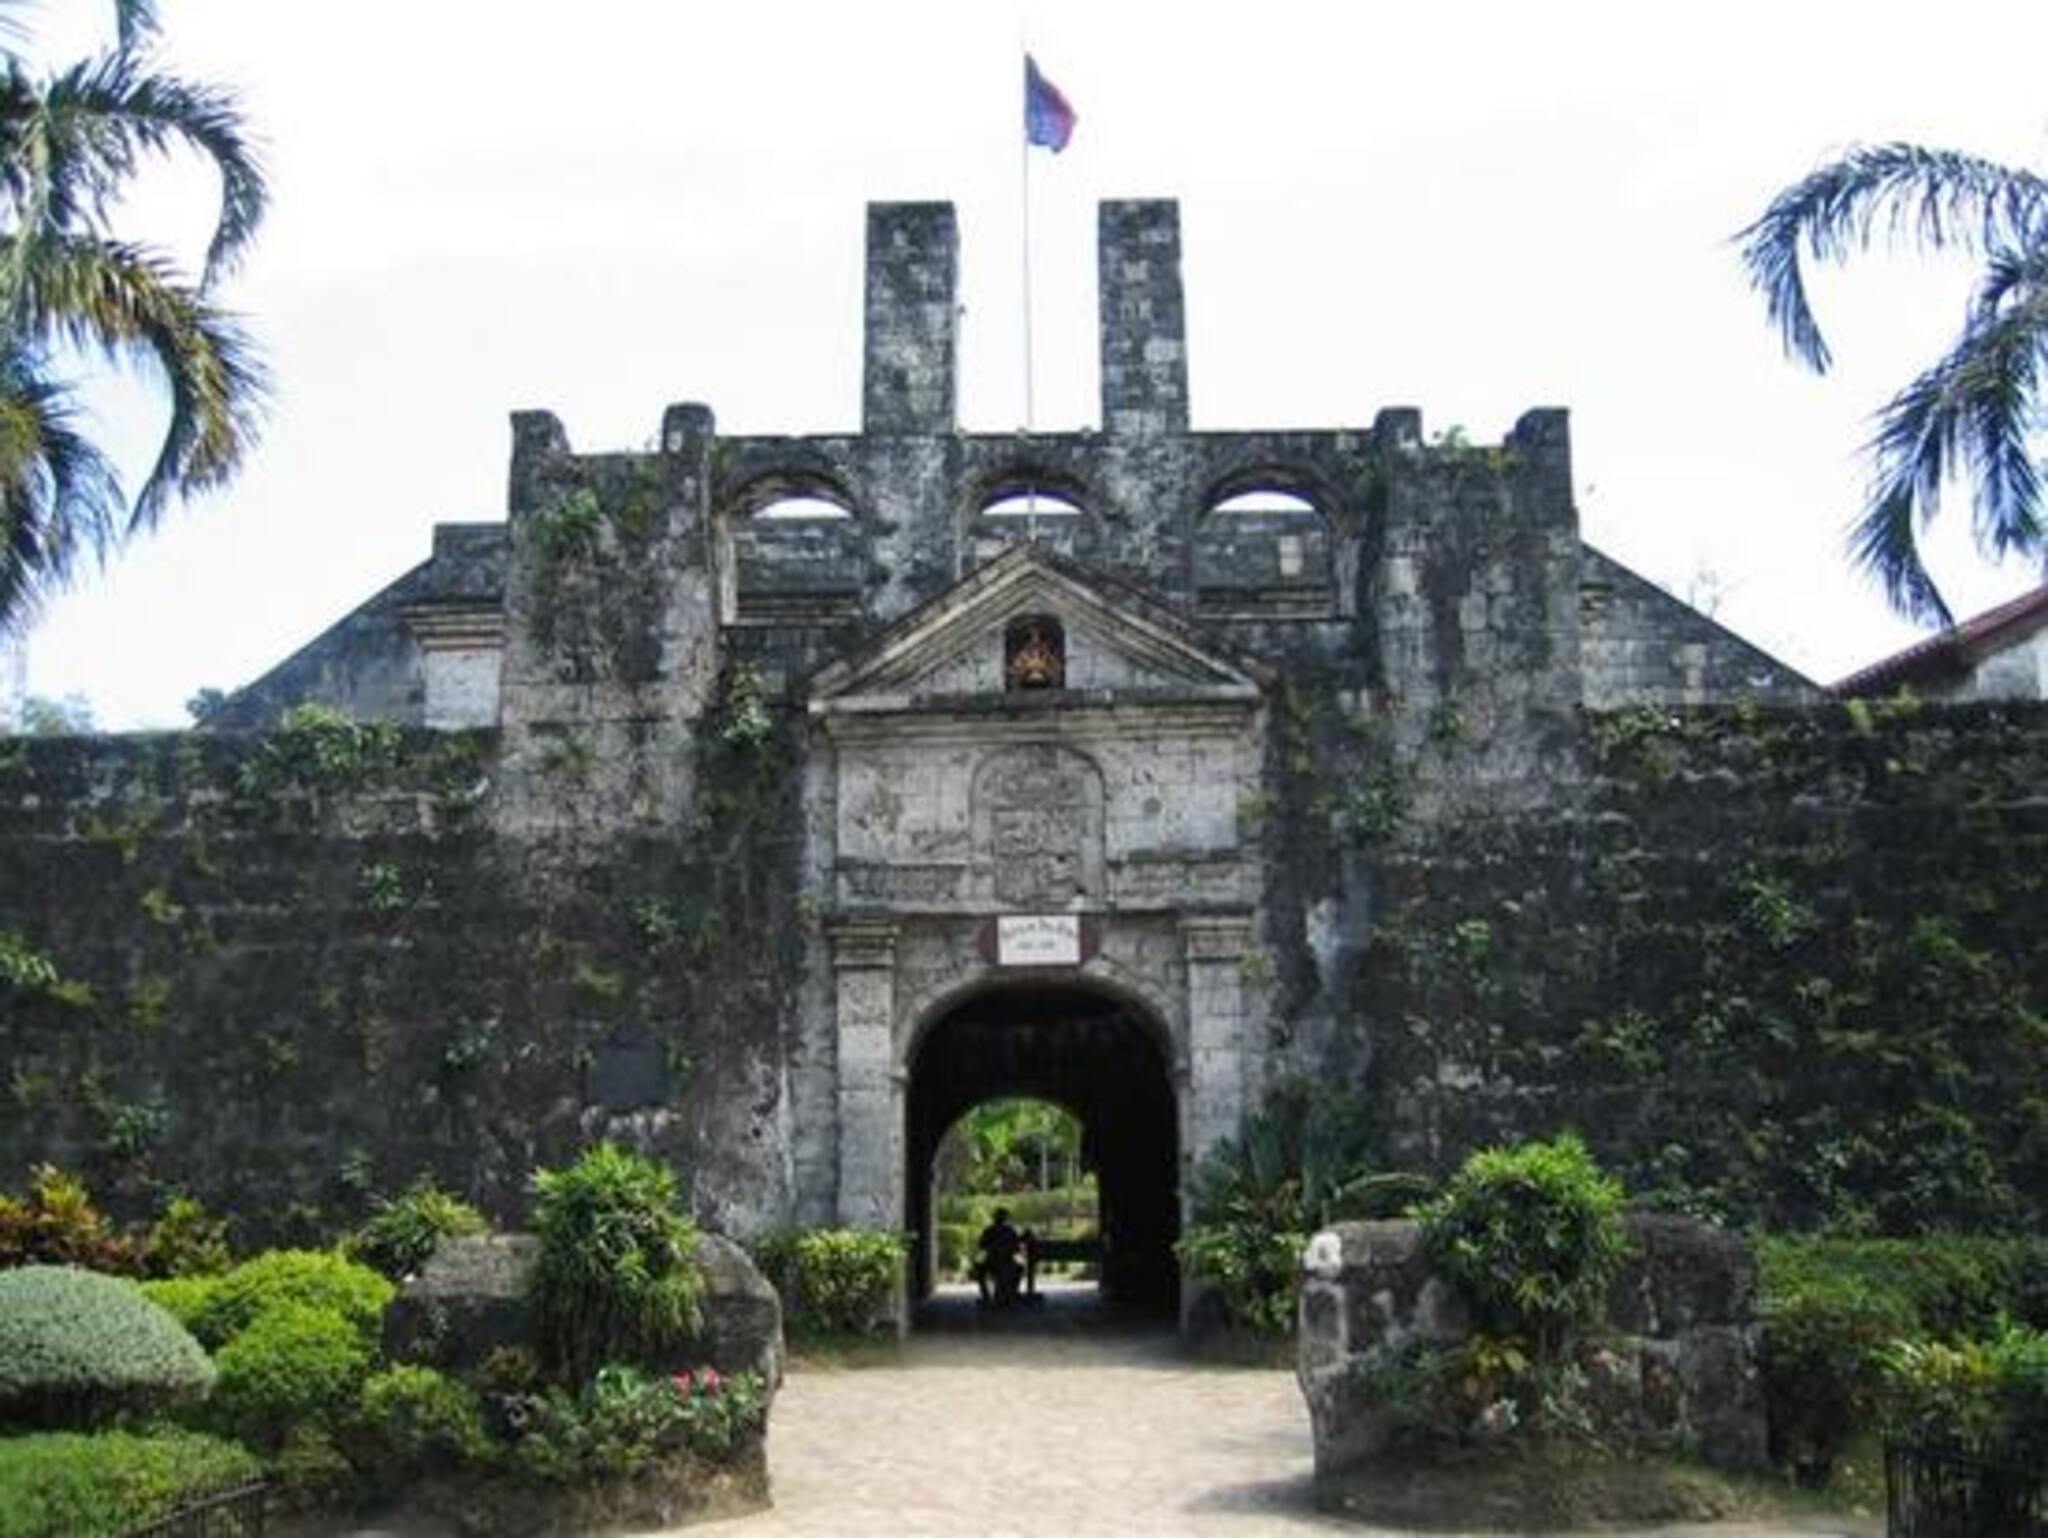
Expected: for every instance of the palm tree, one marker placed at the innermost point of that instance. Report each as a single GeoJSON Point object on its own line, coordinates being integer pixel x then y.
{"type": "Point", "coordinates": [69, 288]}
{"type": "Point", "coordinates": [1977, 411]}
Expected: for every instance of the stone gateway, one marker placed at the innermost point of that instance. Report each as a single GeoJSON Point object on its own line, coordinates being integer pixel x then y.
{"type": "Point", "coordinates": [771, 801]}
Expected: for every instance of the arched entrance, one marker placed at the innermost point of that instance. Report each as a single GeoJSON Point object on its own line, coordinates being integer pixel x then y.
{"type": "Point", "coordinates": [1099, 1056]}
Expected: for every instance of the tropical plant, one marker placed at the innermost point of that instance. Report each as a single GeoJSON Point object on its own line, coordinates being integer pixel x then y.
{"type": "Point", "coordinates": [70, 143]}
{"type": "Point", "coordinates": [405, 1230]}
{"type": "Point", "coordinates": [834, 1281]}
{"type": "Point", "coordinates": [1977, 409]}
{"type": "Point", "coordinates": [617, 1278]}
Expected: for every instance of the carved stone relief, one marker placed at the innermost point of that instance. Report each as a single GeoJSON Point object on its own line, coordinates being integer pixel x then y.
{"type": "Point", "coordinates": [1038, 826]}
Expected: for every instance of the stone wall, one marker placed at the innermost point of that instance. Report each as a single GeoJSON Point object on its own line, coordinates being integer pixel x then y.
{"type": "Point", "coordinates": [1674, 1368]}
{"type": "Point", "coordinates": [1777, 966]}
{"type": "Point", "coordinates": [296, 969]}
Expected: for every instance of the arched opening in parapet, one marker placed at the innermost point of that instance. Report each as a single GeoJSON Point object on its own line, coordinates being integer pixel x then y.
{"type": "Point", "coordinates": [1262, 548]}
{"type": "Point", "coordinates": [1106, 1062]}
{"type": "Point", "coordinates": [1047, 509]}
{"type": "Point", "coordinates": [796, 551]}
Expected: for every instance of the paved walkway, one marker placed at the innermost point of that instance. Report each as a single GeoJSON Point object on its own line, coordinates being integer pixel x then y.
{"type": "Point", "coordinates": [1072, 1432]}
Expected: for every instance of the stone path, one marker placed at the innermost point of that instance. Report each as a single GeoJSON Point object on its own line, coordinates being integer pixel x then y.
{"type": "Point", "coordinates": [1073, 1434]}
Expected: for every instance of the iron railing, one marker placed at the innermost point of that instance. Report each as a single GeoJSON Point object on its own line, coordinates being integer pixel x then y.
{"type": "Point", "coordinates": [232, 1513]}
{"type": "Point", "coordinates": [1930, 1493]}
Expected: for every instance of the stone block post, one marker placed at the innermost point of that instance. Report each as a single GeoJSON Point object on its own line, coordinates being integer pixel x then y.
{"type": "Point", "coordinates": [1215, 945]}
{"type": "Point", "coordinates": [912, 346]}
{"type": "Point", "coordinates": [870, 1118]}
{"type": "Point", "coordinates": [1143, 319]}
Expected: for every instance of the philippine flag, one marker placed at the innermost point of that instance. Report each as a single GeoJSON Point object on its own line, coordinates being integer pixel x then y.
{"type": "Point", "coordinates": [1048, 119]}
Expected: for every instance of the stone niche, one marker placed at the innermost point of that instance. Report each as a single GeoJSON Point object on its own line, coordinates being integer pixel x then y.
{"type": "Point", "coordinates": [1674, 1370]}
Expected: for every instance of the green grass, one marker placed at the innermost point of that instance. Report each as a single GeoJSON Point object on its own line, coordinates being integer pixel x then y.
{"type": "Point", "coordinates": [70, 1485]}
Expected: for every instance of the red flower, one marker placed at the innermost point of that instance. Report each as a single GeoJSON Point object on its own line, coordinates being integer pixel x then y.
{"type": "Point", "coordinates": [711, 1380]}
{"type": "Point", "coordinates": [682, 1381]}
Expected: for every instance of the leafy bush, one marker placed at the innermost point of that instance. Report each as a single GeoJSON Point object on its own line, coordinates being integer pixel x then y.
{"type": "Point", "coordinates": [410, 1421]}
{"type": "Point", "coordinates": [102, 1485]}
{"type": "Point", "coordinates": [184, 1298]}
{"type": "Point", "coordinates": [623, 1418]}
{"type": "Point", "coordinates": [1824, 1343]}
{"type": "Point", "coordinates": [1258, 1196]}
{"type": "Point", "coordinates": [1954, 1285]}
{"type": "Point", "coordinates": [1255, 1271]}
{"type": "Point", "coordinates": [58, 1225]}
{"type": "Point", "coordinates": [404, 1230]}
{"type": "Point", "coordinates": [617, 1278]}
{"type": "Point", "coordinates": [1533, 1237]}
{"type": "Point", "coordinates": [1834, 1311]}
{"type": "Point", "coordinates": [834, 1281]}
{"type": "Point", "coordinates": [317, 1278]}
{"type": "Point", "coordinates": [77, 1348]}
{"type": "Point", "coordinates": [296, 1364]}
{"type": "Point", "coordinates": [186, 1240]}
{"type": "Point", "coordinates": [1986, 1396]}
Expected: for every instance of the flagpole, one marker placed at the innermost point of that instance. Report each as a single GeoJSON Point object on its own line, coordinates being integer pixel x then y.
{"type": "Point", "coordinates": [1024, 266]}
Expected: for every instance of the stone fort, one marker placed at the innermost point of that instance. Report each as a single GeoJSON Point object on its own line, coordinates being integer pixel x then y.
{"type": "Point", "coordinates": [771, 801]}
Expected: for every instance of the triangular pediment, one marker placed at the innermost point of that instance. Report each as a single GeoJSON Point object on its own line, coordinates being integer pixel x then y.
{"type": "Point", "coordinates": [1118, 642]}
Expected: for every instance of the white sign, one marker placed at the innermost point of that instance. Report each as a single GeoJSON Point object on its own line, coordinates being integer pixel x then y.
{"type": "Point", "coordinates": [1038, 940]}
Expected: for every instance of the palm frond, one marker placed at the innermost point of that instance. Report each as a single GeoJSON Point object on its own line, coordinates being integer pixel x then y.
{"type": "Point", "coordinates": [100, 116]}
{"type": "Point", "coordinates": [59, 496]}
{"type": "Point", "coordinates": [1935, 198]}
{"type": "Point", "coordinates": [1973, 412]}
{"type": "Point", "coordinates": [124, 302]}
{"type": "Point", "coordinates": [134, 21]}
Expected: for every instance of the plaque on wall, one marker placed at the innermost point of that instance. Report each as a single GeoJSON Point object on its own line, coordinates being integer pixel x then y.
{"type": "Point", "coordinates": [1038, 940]}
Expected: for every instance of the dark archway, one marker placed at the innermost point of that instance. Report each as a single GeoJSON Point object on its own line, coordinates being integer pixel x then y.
{"type": "Point", "coordinates": [1102, 1059]}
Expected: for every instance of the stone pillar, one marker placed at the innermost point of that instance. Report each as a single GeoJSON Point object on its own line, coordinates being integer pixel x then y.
{"type": "Point", "coordinates": [1215, 946]}
{"type": "Point", "coordinates": [870, 1119]}
{"type": "Point", "coordinates": [912, 316]}
{"type": "Point", "coordinates": [1143, 319]}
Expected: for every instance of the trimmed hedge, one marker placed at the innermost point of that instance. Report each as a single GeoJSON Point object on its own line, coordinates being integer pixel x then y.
{"type": "Point", "coordinates": [100, 1486]}
{"type": "Point", "coordinates": [77, 1348]}
{"type": "Point", "coordinates": [317, 1278]}
{"type": "Point", "coordinates": [834, 1281]}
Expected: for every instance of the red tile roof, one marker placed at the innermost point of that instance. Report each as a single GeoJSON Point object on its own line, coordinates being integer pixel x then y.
{"type": "Point", "coordinates": [1955, 649]}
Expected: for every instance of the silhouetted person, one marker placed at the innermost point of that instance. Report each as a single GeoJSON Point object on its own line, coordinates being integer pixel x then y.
{"type": "Point", "coordinates": [996, 1271]}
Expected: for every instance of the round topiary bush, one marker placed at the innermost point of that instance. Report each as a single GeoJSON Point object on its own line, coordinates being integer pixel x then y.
{"type": "Point", "coordinates": [77, 1348]}
{"type": "Point", "coordinates": [296, 1365]}
{"type": "Point", "coordinates": [317, 1278]}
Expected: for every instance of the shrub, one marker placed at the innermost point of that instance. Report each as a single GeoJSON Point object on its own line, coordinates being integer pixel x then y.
{"type": "Point", "coordinates": [184, 1298]}
{"type": "Point", "coordinates": [617, 1278]}
{"type": "Point", "coordinates": [1824, 1342]}
{"type": "Point", "coordinates": [318, 1278]}
{"type": "Point", "coordinates": [835, 1281]}
{"type": "Point", "coordinates": [77, 1348]}
{"type": "Point", "coordinates": [186, 1240]}
{"type": "Point", "coordinates": [295, 1365]}
{"type": "Point", "coordinates": [1259, 1195]}
{"type": "Point", "coordinates": [1955, 1286]}
{"type": "Point", "coordinates": [1986, 1396]}
{"type": "Point", "coordinates": [102, 1485]}
{"type": "Point", "coordinates": [58, 1225]}
{"type": "Point", "coordinates": [1255, 1271]}
{"type": "Point", "coordinates": [404, 1230]}
{"type": "Point", "coordinates": [410, 1421]}
{"type": "Point", "coordinates": [1533, 1237]}
{"type": "Point", "coordinates": [624, 1418]}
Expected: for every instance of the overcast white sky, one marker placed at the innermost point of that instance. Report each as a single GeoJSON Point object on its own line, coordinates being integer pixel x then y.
{"type": "Point", "coordinates": [606, 206]}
